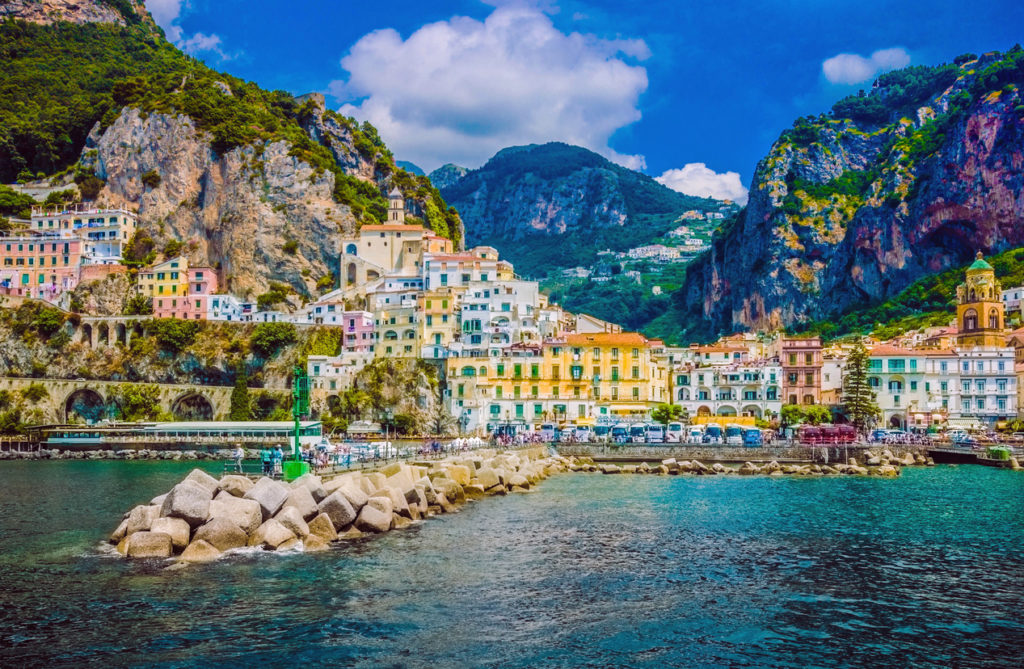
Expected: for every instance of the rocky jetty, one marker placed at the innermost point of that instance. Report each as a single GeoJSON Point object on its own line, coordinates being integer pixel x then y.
{"type": "Point", "coordinates": [124, 454]}
{"type": "Point", "coordinates": [201, 518]}
{"type": "Point", "coordinates": [884, 464]}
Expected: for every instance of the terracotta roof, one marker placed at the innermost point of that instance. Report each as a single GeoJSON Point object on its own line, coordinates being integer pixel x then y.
{"type": "Point", "coordinates": [886, 350]}
{"type": "Point", "coordinates": [935, 352]}
{"type": "Point", "coordinates": [607, 339]}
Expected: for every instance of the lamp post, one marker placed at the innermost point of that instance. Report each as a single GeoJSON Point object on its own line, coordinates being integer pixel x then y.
{"type": "Point", "coordinates": [388, 415]}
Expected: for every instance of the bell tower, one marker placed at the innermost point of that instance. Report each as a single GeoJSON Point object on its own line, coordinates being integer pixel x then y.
{"type": "Point", "coordinates": [396, 206]}
{"type": "Point", "coordinates": [979, 307]}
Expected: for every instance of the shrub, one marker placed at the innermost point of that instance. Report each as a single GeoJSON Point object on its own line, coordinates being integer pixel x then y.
{"type": "Point", "coordinates": [138, 305]}
{"type": "Point", "coordinates": [34, 393]}
{"type": "Point", "coordinates": [172, 334]}
{"type": "Point", "coordinates": [269, 338]}
{"type": "Point", "coordinates": [172, 248]}
{"type": "Point", "coordinates": [47, 321]}
{"type": "Point", "coordinates": [290, 247]}
{"type": "Point", "coordinates": [151, 178]}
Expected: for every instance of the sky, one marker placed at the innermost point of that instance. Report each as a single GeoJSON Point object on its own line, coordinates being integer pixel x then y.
{"type": "Point", "coordinates": [691, 93]}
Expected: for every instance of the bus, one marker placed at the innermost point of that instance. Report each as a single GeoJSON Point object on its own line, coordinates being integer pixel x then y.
{"type": "Point", "coordinates": [674, 433]}
{"type": "Point", "coordinates": [752, 436]}
{"type": "Point", "coordinates": [695, 435]}
{"type": "Point", "coordinates": [584, 434]}
{"type": "Point", "coordinates": [620, 433]}
{"type": "Point", "coordinates": [637, 434]}
{"type": "Point", "coordinates": [713, 434]}
{"type": "Point", "coordinates": [547, 432]}
{"type": "Point", "coordinates": [734, 435]}
{"type": "Point", "coordinates": [602, 433]}
{"type": "Point", "coordinates": [655, 434]}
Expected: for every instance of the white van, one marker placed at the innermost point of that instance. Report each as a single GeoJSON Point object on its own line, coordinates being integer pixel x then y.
{"type": "Point", "coordinates": [674, 433]}
{"type": "Point", "coordinates": [695, 435]}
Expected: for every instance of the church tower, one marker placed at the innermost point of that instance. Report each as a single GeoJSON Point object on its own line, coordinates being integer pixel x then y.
{"type": "Point", "coordinates": [979, 307]}
{"type": "Point", "coordinates": [396, 206]}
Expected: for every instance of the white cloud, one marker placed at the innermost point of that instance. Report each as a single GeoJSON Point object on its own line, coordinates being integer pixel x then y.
{"type": "Point", "coordinates": [460, 90]}
{"type": "Point", "coordinates": [166, 13]}
{"type": "Point", "coordinates": [700, 180]}
{"type": "Point", "coordinates": [852, 68]}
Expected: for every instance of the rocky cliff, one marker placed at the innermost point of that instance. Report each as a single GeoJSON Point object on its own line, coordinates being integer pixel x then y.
{"type": "Point", "coordinates": [850, 208]}
{"type": "Point", "coordinates": [555, 205]}
{"type": "Point", "coordinates": [259, 184]}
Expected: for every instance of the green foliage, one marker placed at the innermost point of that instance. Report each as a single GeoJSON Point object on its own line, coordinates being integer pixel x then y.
{"type": "Point", "coordinates": [35, 393]}
{"type": "Point", "coordinates": [138, 305]}
{"type": "Point", "coordinates": [241, 403]}
{"type": "Point", "coordinates": [897, 94]}
{"type": "Point", "coordinates": [278, 293]}
{"type": "Point", "coordinates": [325, 283]}
{"type": "Point", "coordinates": [269, 338]}
{"type": "Point", "coordinates": [89, 185]}
{"type": "Point", "coordinates": [151, 178]}
{"type": "Point", "coordinates": [59, 340]}
{"type": "Point", "coordinates": [666, 413]}
{"type": "Point", "coordinates": [13, 203]}
{"type": "Point", "coordinates": [290, 247]}
{"type": "Point", "coordinates": [140, 249]}
{"type": "Point", "coordinates": [816, 414]}
{"type": "Point", "coordinates": [48, 320]}
{"type": "Point", "coordinates": [172, 248]}
{"type": "Point", "coordinates": [325, 341]}
{"type": "Point", "coordinates": [173, 335]}
{"type": "Point", "coordinates": [137, 402]}
{"type": "Point", "coordinates": [859, 400]}
{"type": "Point", "coordinates": [404, 423]}
{"type": "Point", "coordinates": [61, 197]}
{"type": "Point", "coordinates": [792, 414]}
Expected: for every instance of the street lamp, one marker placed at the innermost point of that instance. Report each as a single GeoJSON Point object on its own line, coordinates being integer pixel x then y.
{"type": "Point", "coordinates": [388, 415]}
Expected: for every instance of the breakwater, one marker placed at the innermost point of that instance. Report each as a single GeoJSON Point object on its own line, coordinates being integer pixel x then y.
{"type": "Point", "coordinates": [202, 517]}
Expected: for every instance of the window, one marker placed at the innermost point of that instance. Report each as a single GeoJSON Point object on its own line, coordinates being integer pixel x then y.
{"type": "Point", "coordinates": [944, 387]}
{"type": "Point", "coordinates": [498, 391]}
{"type": "Point", "coordinates": [615, 394]}
{"type": "Point", "coordinates": [636, 372]}
{"type": "Point", "coordinates": [636, 353]}
{"type": "Point", "coordinates": [597, 354]}
{"type": "Point", "coordinates": [1001, 385]}
{"type": "Point", "coordinates": [897, 365]}
{"type": "Point", "coordinates": [615, 373]}
{"type": "Point", "coordinates": [809, 378]}
{"type": "Point", "coordinates": [636, 393]}
{"type": "Point", "coordinates": [966, 366]}
{"type": "Point", "coordinates": [516, 392]}
{"type": "Point", "coordinates": [534, 391]}
{"type": "Point", "coordinates": [501, 369]}
{"type": "Point", "coordinates": [534, 371]}
{"type": "Point", "coordinates": [980, 366]}
{"type": "Point", "coordinates": [554, 391]}
{"type": "Point", "coordinates": [791, 377]}
{"type": "Point", "coordinates": [913, 385]}
{"type": "Point", "coordinates": [943, 367]}
{"type": "Point", "coordinates": [792, 359]}
{"type": "Point", "coordinates": [913, 365]}
{"type": "Point", "coordinates": [981, 404]}
{"type": "Point", "coordinates": [979, 385]}
{"type": "Point", "coordinates": [519, 411]}
{"type": "Point", "coordinates": [895, 386]}
{"type": "Point", "coordinates": [874, 382]}
{"type": "Point", "coordinates": [1001, 402]}
{"type": "Point", "coordinates": [808, 358]}
{"type": "Point", "coordinates": [555, 373]}
{"type": "Point", "coordinates": [615, 354]}
{"type": "Point", "coordinates": [1001, 366]}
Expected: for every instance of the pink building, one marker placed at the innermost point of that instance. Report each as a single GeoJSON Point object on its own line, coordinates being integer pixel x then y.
{"type": "Point", "coordinates": [359, 332]}
{"type": "Point", "coordinates": [195, 304]}
{"type": "Point", "coordinates": [39, 266]}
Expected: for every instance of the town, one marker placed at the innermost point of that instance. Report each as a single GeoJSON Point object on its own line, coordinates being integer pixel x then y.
{"type": "Point", "coordinates": [513, 361]}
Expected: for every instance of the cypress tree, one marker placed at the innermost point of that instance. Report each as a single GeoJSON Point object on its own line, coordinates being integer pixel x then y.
{"type": "Point", "coordinates": [241, 404]}
{"type": "Point", "coordinates": [859, 400]}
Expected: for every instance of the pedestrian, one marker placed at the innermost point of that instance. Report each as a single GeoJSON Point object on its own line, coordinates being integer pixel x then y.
{"type": "Point", "coordinates": [239, 456]}
{"type": "Point", "coordinates": [267, 459]}
{"type": "Point", "coordinates": [278, 459]}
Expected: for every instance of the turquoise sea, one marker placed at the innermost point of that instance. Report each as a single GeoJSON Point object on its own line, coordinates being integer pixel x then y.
{"type": "Point", "coordinates": [599, 571]}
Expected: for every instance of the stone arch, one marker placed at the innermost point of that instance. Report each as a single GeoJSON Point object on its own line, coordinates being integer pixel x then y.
{"type": "Point", "coordinates": [138, 330]}
{"type": "Point", "coordinates": [390, 335]}
{"type": "Point", "coordinates": [752, 410]}
{"type": "Point", "coordinates": [192, 406]}
{"type": "Point", "coordinates": [87, 333]}
{"type": "Point", "coordinates": [87, 405]}
{"type": "Point", "coordinates": [970, 320]}
{"type": "Point", "coordinates": [703, 411]}
{"type": "Point", "coordinates": [103, 334]}
{"type": "Point", "coordinates": [726, 410]}
{"type": "Point", "coordinates": [350, 273]}
{"type": "Point", "coordinates": [896, 421]}
{"type": "Point", "coordinates": [993, 319]}
{"type": "Point", "coordinates": [121, 333]}
{"type": "Point", "coordinates": [351, 249]}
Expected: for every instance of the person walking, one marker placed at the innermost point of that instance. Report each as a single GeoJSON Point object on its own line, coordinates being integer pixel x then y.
{"type": "Point", "coordinates": [268, 462]}
{"type": "Point", "coordinates": [239, 455]}
{"type": "Point", "coordinates": [278, 459]}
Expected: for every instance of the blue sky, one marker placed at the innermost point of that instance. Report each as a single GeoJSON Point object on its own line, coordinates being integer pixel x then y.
{"type": "Point", "coordinates": [691, 92]}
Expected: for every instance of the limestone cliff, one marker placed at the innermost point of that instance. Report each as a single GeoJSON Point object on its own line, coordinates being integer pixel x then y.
{"type": "Point", "coordinates": [72, 11]}
{"type": "Point", "coordinates": [850, 208]}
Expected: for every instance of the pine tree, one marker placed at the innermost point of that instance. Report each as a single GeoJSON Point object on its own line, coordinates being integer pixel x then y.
{"type": "Point", "coordinates": [859, 400]}
{"type": "Point", "coordinates": [241, 404]}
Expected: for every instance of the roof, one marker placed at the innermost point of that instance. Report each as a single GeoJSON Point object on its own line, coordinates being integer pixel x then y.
{"type": "Point", "coordinates": [979, 263]}
{"type": "Point", "coordinates": [607, 339]}
{"type": "Point", "coordinates": [390, 227]}
{"type": "Point", "coordinates": [395, 193]}
{"type": "Point", "coordinates": [884, 350]}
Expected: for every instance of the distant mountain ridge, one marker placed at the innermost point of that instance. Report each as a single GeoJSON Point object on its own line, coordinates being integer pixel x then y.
{"type": "Point", "coordinates": [555, 205]}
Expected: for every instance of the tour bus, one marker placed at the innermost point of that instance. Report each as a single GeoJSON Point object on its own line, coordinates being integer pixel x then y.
{"type": "Point", "coordinates": [674, 433]}
{"type": "Point", "coordinates": [734, 435]}
{"type": "Point", "coordinates": [713, 434]}
{"type": "Point", "coordinates": [584, 434]}
{"type": "Point", "coordinates": [620, 433]}
{"type": "Point", "coordinates": [547, 432]}
{"type": "Point", "coordinates": [637, 434]}
{"type": "Point", "coordinates": [752, 436]}
{"type": "Point", "coordinates": [655, 434]}
{"type": "Point", "coordinates": [602, 433]}
{"type": "Point", "coordinates": [695, 435]}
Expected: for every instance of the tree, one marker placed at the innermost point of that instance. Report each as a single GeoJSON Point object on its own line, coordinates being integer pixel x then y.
{"type": "Point", "coordinates": [241, 403]}
{"type": "Point", "coordinates": [269, 338]}
{"type": "Point", "coordinates": [792, 414]}
{"type": "Point", "coordinates": [859, 400]}
{"type": "Point", "coordinates": [666, 413]}
{"type": "Point", "coordinates": [138, 305]}
{"type": "Point", "coordinates": [816, 414]}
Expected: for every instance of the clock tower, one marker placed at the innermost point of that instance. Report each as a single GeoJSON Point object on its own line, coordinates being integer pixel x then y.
{"type": "Point", "coordinates": [979, 307]}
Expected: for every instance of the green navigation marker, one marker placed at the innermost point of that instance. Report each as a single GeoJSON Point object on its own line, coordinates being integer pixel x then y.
{"type": "Point", "coordinates": [297, 467]}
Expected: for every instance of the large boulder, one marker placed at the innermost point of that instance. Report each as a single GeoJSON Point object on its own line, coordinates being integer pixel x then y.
{"type": "Point", "coordinates": [610, 469]}
{"type": "Point", "coordinates": [398, 502]}
{"type": "Point", "coordinates": [314, 544]}
{"type": "Point", "coordinates": [301, 499]}
{"type": "Point", "coordinates": [199, 551]}
{"type": "Point", "coordinates": [382, 504]}
{"type": "Point", "coordinates": [120, 533]}
{"type": "Point", "coordinates": [488, 478]}
{"type": "Point", "coordinates": [337, 508]}
{"type": "Point", "coordinates": [245, 513]}
{"type": "Point", "coordinates": [147, 544]}
{"type": "Point", "coordinates": [292, 518]}
{"type": "Point", "coordinates": [355, 496]}
{"type": "Point", "coordinates": [459, 473]}
{"type": "Point", "coordinates": [450, 489]}
{"type": "Point", "coordinates": [222, 534]}
{"type": "Point", "coordinates": [236, 485]}
{"type": "Point", "coordinates": [270, 494]}
{"type": "Point", "coordinates": [271, 535]}
{"type": "Point", "coordinates": [322, 527]}
{"type": "Point", "coordinates": [141, 518]}
{"type": "Point", "coordinates": [372, 519]}
{"type": "Point", "coordinates": [199, 477]}
{"type": "Point", "coordinates": [176, 528]}
{"type": "Point", "coordinates": [189, 501]}
{"type": "Point", "coordinates": [314, 484]}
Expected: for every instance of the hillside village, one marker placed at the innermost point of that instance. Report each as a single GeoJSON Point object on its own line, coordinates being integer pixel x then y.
{"type": "Point", "coordinates": [512, 360]}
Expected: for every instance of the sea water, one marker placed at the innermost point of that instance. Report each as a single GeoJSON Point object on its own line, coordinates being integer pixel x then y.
{"type": "Point", "coordinates": [588, 570]}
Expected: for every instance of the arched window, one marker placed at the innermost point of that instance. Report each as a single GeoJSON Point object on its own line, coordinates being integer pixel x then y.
{"type": "Point", "coordinates": [351, 249]}
{"type": "Point", "coordinates": [483, 371]}
{"type": "Point", "coordinates": [390, 335]}
{"type": "Point", "coordinates": [468, 371]}
{"type": "Point", "coordinates": [971, 297]}
{"type": "Point", "coordinates": [410, 334]}
{"type": "Point", "coordinates": [970, 320]}
{"type": "Point", "coordinates": [351, 273]}
{"type": "Point", "coordinates": [993, 320]}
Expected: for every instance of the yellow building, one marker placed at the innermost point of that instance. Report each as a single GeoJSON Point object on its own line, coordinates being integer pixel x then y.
{"type": "Point", "coordinates": [167, 279]}
{"type": "Point", "coordinates": [439, 319]}
{"type": "Point", "coordinates": [579, 378]}
{"type": "Point", "coordinates": [979, 309]}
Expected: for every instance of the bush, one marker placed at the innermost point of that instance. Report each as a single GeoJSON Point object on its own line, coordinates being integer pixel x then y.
{"type": "Point", "coordinates": [172, 334]}
{"type": "Point", "coordinates": [269, 338]}
{"type": "Point", "coordinates": [34, 393]}
{"type": "Point", "coordinates": [151, 178]}
{"type": "Point", "coordinates": [138, 305]}
{"type": "Point", "coordinates": [172, 248]}
{"type": "Point", "coordinates": [278, 293]}
{"type": "Point", "coordinates": [47, 321]}
{"type": "Point", "coordinates": [290, 247]}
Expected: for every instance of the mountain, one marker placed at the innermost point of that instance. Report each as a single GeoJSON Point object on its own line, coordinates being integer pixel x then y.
{"type": "Point", "coordinates": [447, 175]}
{"type": "Point", "coordinates": [849, 208]}
{"type": "Point", "coordinates": [411, 168]}
{"type": "Point", "coordinates": [555, 205]}
{"type": "Point", "coordinates": [94, 97]}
